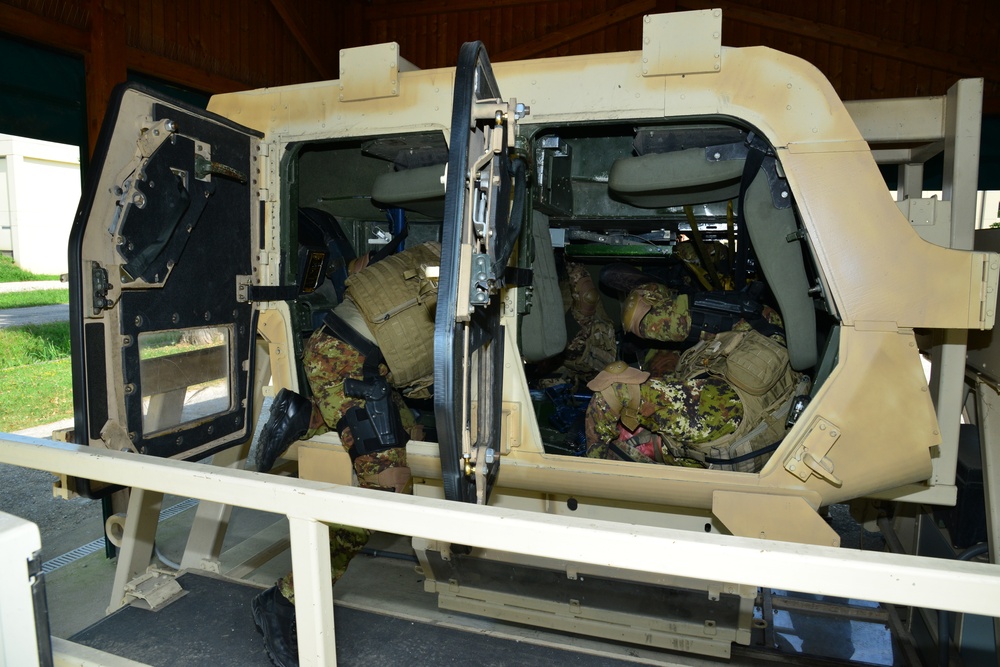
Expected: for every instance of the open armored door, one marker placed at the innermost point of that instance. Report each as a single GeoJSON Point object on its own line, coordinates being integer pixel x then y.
{"type": "Point", "coordinates": [162, 334]}
{"type": "Point", "coordinates": [477, 240]}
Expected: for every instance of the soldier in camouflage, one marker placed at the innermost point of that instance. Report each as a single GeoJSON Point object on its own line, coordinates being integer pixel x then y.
{"type": "Point", "coordinates": [694, 414]}
{"type": "Point", "coordinates": [334, 354]}
{"type": "Point", "coordinates": [328, 361]}
{"type": "Point", "coordinates": [593, 345]}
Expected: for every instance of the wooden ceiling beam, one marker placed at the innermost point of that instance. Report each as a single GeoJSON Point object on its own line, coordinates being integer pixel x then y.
{"type": "Point", "coordinates": [574, 31]}
{"type": "Point", "coordinates": [106, 57]}
{"type": "Point", "coordinates": [852, 39]}
{"type": "Point", "coordinates": [46, 32]}
{"type": "Point", "coordinates": [104, 63]}
{"type": "Point", "coordinates": [295, 26]}
{"type": "Point", "coordinates": [41, 30]}
{"type": "Point", "coordinates": [182, 74]}
{"type": "Point", "coordinates": [394, 10]}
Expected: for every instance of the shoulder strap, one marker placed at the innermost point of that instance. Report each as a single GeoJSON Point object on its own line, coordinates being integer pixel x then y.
{"type": "Point", "coordinates": [338, 328]}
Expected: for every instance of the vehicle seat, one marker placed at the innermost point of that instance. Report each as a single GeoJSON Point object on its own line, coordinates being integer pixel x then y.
{"type": "Point", "coordinates": [420, 190]}
{"type": "Point", "coordinates": [686, 177]}
{"type": "Point", "coordinates": [543, 328]}
{"type": "Point", "coordinates": [679, 178]}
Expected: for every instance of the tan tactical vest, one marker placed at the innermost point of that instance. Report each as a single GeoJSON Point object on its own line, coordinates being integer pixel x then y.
{"type": "Point", "coordinates": [757, 367]}
{"type": "Point", "coordinates": [398, 305]}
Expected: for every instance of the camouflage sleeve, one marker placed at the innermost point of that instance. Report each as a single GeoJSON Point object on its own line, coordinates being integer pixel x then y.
{"type": "Point", "coordinates": [600, 426]}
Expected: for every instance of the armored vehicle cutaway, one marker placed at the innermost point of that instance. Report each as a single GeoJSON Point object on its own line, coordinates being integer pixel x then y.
{"type": "Point", "coordinates": [211, 244]}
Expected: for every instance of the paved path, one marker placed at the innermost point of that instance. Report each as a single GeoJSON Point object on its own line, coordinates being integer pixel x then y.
{"type": "Point", "coordinates": [32, 286]}
{"type": "Point", "coordinates": [16, 317]}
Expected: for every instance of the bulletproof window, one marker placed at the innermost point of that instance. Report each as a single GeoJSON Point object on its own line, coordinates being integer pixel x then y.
{"type": "Point", "coordinates": [184, 376]}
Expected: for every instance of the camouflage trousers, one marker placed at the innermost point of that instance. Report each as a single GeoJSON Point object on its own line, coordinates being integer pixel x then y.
{"type": "Point", "coordinates": [328, 361]}
{"type": "Point", "coordinates": [347, 541]}
{"type": "Point", "coordinates": [691, 412]}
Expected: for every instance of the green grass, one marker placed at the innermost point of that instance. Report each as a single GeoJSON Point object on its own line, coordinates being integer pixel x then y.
{"type": "Point", "coordinates": [35, 379]}
{"type": "Point", "coordinates": [35, 394]}
{"type": "Point", "coordinates": [45, 297]}
{"type": "Point", "coordinates": [12, 273]}
{"type": "Point", "coordinates": [21, 346]}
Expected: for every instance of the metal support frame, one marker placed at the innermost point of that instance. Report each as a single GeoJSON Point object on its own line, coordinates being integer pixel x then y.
{"type": "Point", "coordinates": [211, 521]}
{"type": "Point", "coordinates": [892, 578]}
{"type": "Point", "coordinates": [988, 414]}
{"type": "Point", "coordinates": [313, 601]}
{"type": "Point", "coordinates": [137, 540]}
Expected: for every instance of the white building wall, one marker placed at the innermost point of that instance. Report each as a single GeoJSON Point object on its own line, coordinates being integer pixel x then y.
{"type": "Point", "coordinates": [989, 209]}
{"type": "Point", "coordinates": [6, 242]}
{"type": "Point", "coordinates": [38, 199]}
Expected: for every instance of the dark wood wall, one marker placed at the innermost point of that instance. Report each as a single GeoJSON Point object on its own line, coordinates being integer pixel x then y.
{"type": "Point", "coordinates": [210, 46]}
{"type": "Point", "coordinates": [867, 48]}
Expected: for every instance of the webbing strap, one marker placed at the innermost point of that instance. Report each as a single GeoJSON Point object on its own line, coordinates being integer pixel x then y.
{"type": "Point", "coordinates": [707, 263]}
{"type": "Point", "coordinates": [628, 414]}
{"type": "Point", "coordinates": [338, 328]}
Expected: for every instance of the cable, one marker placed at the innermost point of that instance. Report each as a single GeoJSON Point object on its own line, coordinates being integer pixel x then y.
{"type": "Point", "coordinates": [163, 559]}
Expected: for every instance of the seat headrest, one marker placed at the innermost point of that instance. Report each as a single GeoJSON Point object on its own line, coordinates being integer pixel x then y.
{"type": "Point", "coordinates": [676, 178]}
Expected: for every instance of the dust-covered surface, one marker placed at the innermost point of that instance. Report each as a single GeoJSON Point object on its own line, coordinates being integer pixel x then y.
{"type": "Point", "coordinates": [212, 624]}
{"type": "Point", "coordinates": [79, 593]}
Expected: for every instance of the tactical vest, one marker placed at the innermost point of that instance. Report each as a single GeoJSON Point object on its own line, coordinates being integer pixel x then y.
{"type": "Point", "coordinates": [398, 305]}
{"type": "Point", "coordinates": [757, 368]}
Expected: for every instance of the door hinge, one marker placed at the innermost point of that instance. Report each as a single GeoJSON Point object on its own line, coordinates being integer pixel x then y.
{"type": "Point", "coordinates": [100, 287]}
{"type": "Point", "coordinates": [243, 288]}
{"type": "Point", "coordinates": [988, 291]}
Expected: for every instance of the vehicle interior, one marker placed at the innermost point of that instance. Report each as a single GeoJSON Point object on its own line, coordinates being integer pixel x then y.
{"type": "Point", "coordinates": [662, 199]}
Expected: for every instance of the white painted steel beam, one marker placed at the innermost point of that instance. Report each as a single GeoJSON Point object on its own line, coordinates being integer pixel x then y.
{"type": "Point", "coordinates": [897, 579]}
{"type": "Point", "coordinates": [900, 120]}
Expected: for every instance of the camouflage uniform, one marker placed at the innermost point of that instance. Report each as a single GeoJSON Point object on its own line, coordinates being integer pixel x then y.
{"type": "Point", "coordinates": [687, 411]}
{"type": "Point", "coordinates": [328, 361]}
{"type": "Point", "coordinates": [691, 412]}
{"type": "Point", "coordinates": [668, 318]}
{"type": "Point", "coordinates": [594, 345]}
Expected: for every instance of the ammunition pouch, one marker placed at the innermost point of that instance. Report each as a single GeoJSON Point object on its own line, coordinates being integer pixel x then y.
{"type": "Point", "coordinates": [376, 426]}
{"type": "Point", "coordinates": [629, 450]}
{"type": "Point", "coordinates": [619, 372]}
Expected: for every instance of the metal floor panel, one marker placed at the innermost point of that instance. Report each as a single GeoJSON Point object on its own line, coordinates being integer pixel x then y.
{"type": "Point", "coordinates": [212, 624]}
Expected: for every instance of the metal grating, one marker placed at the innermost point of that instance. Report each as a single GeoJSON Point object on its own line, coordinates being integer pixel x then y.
{"type": "Point", "coordinates": [76, 554]}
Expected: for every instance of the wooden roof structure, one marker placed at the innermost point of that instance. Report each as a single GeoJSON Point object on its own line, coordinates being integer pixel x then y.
{"type": "Point", "coordinates": [868, 50]}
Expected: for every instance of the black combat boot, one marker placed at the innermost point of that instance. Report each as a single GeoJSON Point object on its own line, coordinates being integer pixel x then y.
{"type": "Point", "coordinates": [288, 422]}
{"type": "Point", "coordinates": [274, 617]}
{"type": "Point", "coordinates": [624, 277]}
